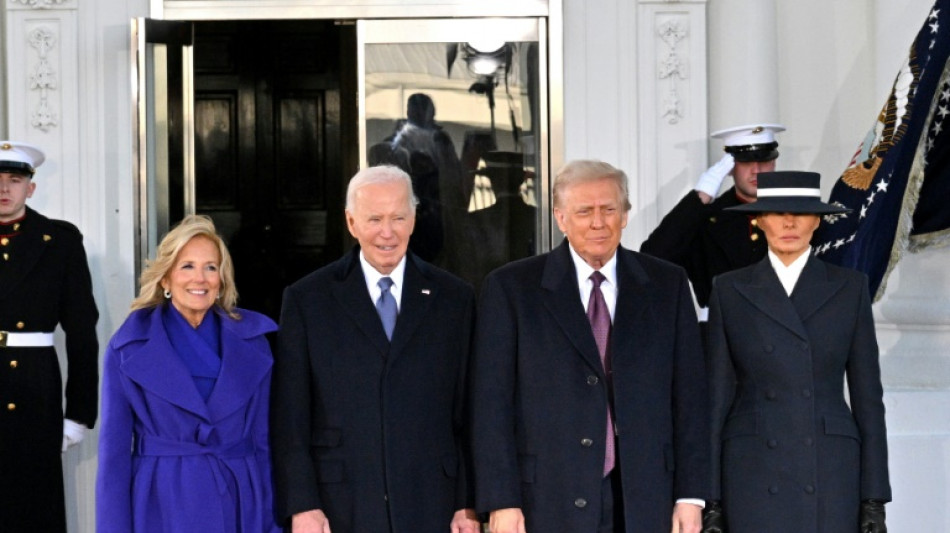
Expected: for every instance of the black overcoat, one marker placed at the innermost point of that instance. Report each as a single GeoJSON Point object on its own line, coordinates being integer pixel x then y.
{"type": "Point", "coordinates": [540, 400]}
{"type": "Point", "coordinates": [706, 240]}
{"type": "Point", "coordinates": [369, 431]}
{"type": "Point", "coordinates": [789, 454]}
{"type": "Point", "coordinates": [44, 281]}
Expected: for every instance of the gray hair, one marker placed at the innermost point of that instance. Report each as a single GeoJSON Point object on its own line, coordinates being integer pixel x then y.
{"type": "Point", "coordinates": [587, 170]}
{"type": "Point", "coordinates": [378, 175]}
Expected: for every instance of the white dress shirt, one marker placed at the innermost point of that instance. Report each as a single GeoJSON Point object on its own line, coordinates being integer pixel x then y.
{"type": "Point", "coordinates": [789, 275]}
{"type": "Point", "coordinates": [372, 277]}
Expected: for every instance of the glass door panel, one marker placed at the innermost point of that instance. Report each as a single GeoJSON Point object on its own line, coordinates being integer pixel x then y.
{"type": "Point", "coordinates": [461, 105]}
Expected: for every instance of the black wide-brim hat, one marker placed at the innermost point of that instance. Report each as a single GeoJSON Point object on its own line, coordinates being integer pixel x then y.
{"type": "Point", "coordinates": [789, 192]}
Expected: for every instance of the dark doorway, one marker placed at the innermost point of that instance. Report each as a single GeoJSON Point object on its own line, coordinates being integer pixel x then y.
{"type": "Point", "coordinates": [275, 143]}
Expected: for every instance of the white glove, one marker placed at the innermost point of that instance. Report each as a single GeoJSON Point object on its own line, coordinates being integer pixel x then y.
{"type": "Point", "coordinates": [710, 181]}
{"type": "Point", "coordinates": [73, 432]}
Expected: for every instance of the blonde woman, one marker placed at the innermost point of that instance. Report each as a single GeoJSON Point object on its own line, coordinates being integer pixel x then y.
{"type": "Point", "coordinates": [184, 437]}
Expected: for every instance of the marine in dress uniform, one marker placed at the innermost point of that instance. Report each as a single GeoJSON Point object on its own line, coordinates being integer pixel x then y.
{"type": "Point", "coordinates": [699, 233]}
{"type": "Point", "coordinates": [44, 281]}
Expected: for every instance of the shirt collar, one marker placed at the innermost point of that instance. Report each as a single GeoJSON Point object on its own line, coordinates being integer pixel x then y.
{"type": "Point", "coordinates": [789, 275]}
{"type": "Point", "coordinates": [584, 270]}
{"type": "Point", "coordinates": [372, 276]}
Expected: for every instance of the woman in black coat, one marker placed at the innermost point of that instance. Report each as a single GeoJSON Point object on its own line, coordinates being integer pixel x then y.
{"type": "Point", "coordinates": [790, 454]}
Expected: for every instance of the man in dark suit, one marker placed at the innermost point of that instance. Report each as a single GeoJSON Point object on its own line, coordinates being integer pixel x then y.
{"type": "Point", "coordinates": [589, 423]}
{"type": "Point", "coordinates": [699, 233]}
{"type": "Point", "coordinates": [369, 381]}
{"type": "Point", "coordinates": [44, 282]}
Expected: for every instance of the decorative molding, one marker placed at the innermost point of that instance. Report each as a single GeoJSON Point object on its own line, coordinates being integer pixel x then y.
{"type": "Point", "coordinates": [43, 78]}
{"type": "Point", "coordinates": [672, 67]}
{"type": "Point", "coordinates": [39, 4]}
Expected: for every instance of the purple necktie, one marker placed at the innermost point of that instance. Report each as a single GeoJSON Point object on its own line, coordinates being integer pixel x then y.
{"type": "Point", "coordinates": [599, 317]}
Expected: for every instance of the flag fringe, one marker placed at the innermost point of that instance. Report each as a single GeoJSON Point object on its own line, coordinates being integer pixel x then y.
{"type": "Point", "coordinates": [915, 179]}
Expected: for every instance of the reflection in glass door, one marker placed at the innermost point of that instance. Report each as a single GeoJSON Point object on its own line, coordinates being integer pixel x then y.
{"type": "Point", "coordinates": [461, 105]}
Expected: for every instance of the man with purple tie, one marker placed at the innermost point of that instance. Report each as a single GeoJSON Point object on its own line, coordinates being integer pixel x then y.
{"type": "Point", "coordinates": [368, 408]}
{"type": "Point", "coordinates": [588, 381]}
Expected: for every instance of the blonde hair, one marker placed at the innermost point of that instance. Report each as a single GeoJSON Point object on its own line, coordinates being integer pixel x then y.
{"type": "Point", "coordinates": [587, 170]}
{"type": "Point", "coordinates": [151, 293]}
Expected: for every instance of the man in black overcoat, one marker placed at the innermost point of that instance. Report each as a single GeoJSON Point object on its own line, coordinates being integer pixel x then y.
{"type": "Point", "coordinates": [44, 282]}
{"type": "Point", "coordinates": [368, 402]}
{"type": "Point", "coordinates": [589, 390]}
{"type": "Point", "coordinates": [699, 233]}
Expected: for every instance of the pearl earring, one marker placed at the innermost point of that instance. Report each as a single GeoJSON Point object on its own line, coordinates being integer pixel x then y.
{"type": "Point", "coordinates": [168, 294]}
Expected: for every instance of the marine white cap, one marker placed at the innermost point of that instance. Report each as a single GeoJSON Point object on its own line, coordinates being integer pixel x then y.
{"type": "Point", "coordinates": [22, 158]}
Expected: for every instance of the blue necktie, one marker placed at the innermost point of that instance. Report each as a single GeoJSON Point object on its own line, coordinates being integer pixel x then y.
{"type": "Point", "coordinates": [386, 306]}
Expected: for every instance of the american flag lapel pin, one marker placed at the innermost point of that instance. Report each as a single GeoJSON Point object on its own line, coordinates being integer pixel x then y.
{"type": "Point", "coordinates": [426, 291]}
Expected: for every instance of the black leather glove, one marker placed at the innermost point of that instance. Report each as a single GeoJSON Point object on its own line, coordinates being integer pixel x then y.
{"type": "Point", "coordinates": [713, 519]}
{"type": "Point", "coordinates": [872, 517]}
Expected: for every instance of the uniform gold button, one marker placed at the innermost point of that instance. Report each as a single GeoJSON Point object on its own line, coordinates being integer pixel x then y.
{"type": "Point", "coordinates": [11, 407]}
{"type": "Point", "coordinates": [754, 222]}
{"type": "Point", "coordinates": [754, 237]}
{"type": "Point", "coordinates": [13, 364]}
{"type": "Point", "coordinates": [4, 241]}
{"type": "Point", "coordinates": [6, 257]}
{"type": "Point", "coordinates": [20, 325]}
{"type": "Point", "coordinates": [16, 227]}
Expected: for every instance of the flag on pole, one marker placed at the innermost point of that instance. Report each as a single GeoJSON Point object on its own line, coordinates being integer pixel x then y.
{"type": "Point", "coordinates": [898, 182]}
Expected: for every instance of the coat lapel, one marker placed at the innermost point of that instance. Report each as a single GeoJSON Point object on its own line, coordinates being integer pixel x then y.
{"type": "Point", "coordinates": [243, 366]}
{"type": "Point", "coordinates": [813, 289]}
{"type": "Point", "coordinates": [157, 368]}
{"type": "Point", "coordinates": [561, 297]}
{"type": "Point", "coordinates": [633, 299]}
{"type": "Point", "coordinates": [350, 292]}
{"type": "Point", "coordinates": [764, 290]}
{"type": "Point", "coordinates": [418, 293]}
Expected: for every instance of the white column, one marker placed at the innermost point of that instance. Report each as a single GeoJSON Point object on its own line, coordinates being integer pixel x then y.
{"type": "Point", "coordinates": [743, 63]}
{"type": "Point", "coordinates": [672, 109]}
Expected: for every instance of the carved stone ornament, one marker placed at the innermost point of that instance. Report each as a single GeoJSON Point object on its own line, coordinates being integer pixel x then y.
{"type": "Point", "coordinates": [672, 67]}
{"type": "Point", "coordinates": [39, 4]}
{"type": "Point", "coordinates": [43, 78]}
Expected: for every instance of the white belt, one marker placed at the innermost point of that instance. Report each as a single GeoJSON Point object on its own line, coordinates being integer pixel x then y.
{"type": "Point", "coordinates": [25, 340]}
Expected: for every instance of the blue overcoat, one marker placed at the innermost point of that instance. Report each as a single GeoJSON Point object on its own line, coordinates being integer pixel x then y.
{"type": "Point", "coordinates": [168, 460]}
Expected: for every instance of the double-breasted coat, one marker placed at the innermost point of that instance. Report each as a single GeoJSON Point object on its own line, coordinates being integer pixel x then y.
{"type": "Point", "coordinates": [44, 282]}
{"type": "Point", "coordinates": [706, 240]}
{"type": "Point", "coordinates": [367, 430]}
{"type": "Point", "coordinates": [169, 462]}
{"type": "Point", "coordinates": [540, 395]}
{"type": "Point", "coordinates": [789, 454]}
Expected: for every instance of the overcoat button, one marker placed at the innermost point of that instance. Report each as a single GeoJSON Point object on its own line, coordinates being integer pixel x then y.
{"type": "Point", "coordinates": [592, 380]}
{"type": "Point", "coordinates": [773, 489]}
{"type": "Point", "coordinates": [770, 395]}
{"type": "Point", "coordinates": [809, 442]}
{"type": "Point", "coordinates": [11, 407]}
{"type": "Point", "coordinates": [809, 489]}
{"type": "Point", "coordinates": [580, 503]}
{"type": "Point", "coordinates": [773, 443]}
{"type": "Point", "coordinates": [806, 393]}
{"type": "Point", "coordinates": [586, 442]}
{"type": "Point", "coordinates": [768, 348]}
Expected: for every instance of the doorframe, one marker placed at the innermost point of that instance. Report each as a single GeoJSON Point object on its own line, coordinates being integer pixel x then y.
{"type": "Point", "coordinates": [552, 36]}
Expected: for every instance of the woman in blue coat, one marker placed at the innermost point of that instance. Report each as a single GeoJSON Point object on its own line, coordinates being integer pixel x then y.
{"type": "Point", "coordinates": [790, 453]}
{"type": "Point", "coordinates": [183, 445]}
